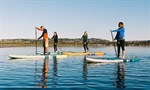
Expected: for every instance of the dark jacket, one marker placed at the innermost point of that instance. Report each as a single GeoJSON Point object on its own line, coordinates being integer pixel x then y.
{"type": "Point", "coordinates": [55, 37]}
{"type": "Point", "coordinates": [85, 38]}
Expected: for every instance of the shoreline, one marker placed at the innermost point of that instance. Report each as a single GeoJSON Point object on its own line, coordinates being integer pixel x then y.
{"type": "Point", "coordinates": [64, 46]}
{"type": "Point", "coordinates": [69, 45]}
{"type": "Point", "coordinates": [65, 42]}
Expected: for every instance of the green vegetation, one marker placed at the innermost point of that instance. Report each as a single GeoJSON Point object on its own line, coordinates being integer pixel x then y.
{"type": "Point", "coordinates": [67, 42]}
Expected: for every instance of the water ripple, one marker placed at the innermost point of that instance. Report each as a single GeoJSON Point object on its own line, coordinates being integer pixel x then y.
{"type": "Point", "coordinates": [74, 72]}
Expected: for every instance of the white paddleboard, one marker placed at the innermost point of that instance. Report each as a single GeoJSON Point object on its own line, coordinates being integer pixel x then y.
{"type": "Point", "coordinates": [35, 56]}
{"type": "Point", "coordinates": [103, 60]}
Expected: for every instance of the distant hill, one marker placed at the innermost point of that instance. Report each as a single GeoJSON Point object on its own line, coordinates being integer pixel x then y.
{"type": "Point", "coordinates": [68, 42]}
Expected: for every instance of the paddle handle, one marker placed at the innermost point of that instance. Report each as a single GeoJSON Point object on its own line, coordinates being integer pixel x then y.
{"type": "Point", "coordinates": [113, 42]}
{"type": "Point", "coordinates": [36, 41]}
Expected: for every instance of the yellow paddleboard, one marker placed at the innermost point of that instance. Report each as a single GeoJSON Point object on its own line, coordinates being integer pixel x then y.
{"type": "Point", "coordinates": [82, 53]}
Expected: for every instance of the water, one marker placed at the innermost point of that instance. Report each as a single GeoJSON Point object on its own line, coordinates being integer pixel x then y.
{"type": "Point", "coordinates": [74, 72]}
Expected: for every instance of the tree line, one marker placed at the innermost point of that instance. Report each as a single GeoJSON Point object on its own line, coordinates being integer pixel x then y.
{"type": "Point", "coordinates": [68, 42]}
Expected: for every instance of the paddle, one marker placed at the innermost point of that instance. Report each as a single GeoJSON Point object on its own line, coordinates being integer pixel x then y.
{"type": "Point", "coordinates": [60, 52]}
{"type": "Point", "coordinates": [60, 49]}
{"type": "Point", "coordinates": [36, 40]}
{"type": "Point", "coordinates": [113, 42]}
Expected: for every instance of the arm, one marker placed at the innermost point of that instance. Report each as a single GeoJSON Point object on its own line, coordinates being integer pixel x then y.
{"type": "Point", "coordinates": [52, 37]}
{"type": "Point", "coordinates": [82, 36]}
{"type": "Point", "coordinates": [39, 29]}
{"type": "Point", "coordinates": [118, 30]}
{"type": "Point", "coordinates": [117, 36]}
{"type": "Point", "coordinates": [115, 30]}
{"type": "Point", "coordinates": [41, 35]}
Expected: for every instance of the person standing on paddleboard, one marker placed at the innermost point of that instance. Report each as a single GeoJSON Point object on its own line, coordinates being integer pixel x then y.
{"type": "Point", "coordinates": [45, 38]}
{"type": "Point", "coordinates": [120, 39]}
{"type": "Point", "coordinates": [55, 37]}
{"type": "Point", "coordinates": [85, 41]}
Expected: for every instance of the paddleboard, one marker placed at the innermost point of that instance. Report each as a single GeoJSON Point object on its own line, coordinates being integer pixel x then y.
{"type": "Point", "coordinates": [82, 53]}
{"type": "Point", "coordinates": [35, 56]}
{"type": "Point", "coordinates": [109, 60]}
{"type": "Point", "coordinates": [51, 53]}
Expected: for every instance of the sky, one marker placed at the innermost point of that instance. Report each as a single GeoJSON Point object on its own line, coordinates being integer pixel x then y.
{"type": "Point", "coordinates": [70, 18]}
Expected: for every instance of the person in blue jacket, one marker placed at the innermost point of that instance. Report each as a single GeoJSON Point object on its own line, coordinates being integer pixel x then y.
{"type": "Point", "coordinates": [120, 39]}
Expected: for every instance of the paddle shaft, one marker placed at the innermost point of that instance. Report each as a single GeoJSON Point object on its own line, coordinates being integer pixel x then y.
{"type": "Point", "coordinates": [113, 42]}
{"type": "Point", "coordinates": [36, 41]}
{"type": "Point", "coordinates": [59, 49]}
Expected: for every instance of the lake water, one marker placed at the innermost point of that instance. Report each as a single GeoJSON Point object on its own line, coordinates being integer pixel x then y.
{"type": "Point", "coordinates": [74, 72]}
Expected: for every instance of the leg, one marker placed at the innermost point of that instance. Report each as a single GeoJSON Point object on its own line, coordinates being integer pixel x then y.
{"type": "Point", "coordinates": [123, 54]}
{"type": "Point", "coordinates": [118, 55]}
{"type": "Point", "coordinates": [123, 49]}
{"type": "Point", "coordinates": [87, 46]}
{"type": "Point", "coordinates": [118, 48]}
{"type": "Point", "coordinates": [55, 48]}
{"type": "Point", "coordinates": [46, 45]}
{"type": "Point", "coordinates": [44, 50]}
{"type": "Point", "coordinates": [84, 47]}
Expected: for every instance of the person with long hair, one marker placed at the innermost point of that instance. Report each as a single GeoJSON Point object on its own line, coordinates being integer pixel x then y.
{"type": "Point", "coordinates": [85, 41]}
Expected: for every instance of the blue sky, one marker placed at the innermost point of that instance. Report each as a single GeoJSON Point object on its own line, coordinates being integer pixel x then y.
{"type": "Point", "coordinates": [70, 18]}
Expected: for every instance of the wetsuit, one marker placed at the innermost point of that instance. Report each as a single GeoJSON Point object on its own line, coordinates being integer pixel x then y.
{"type": "Point", "coordinates": [120, 39]}
{"type": "Point", "coordinates": [85, 42]}
{"type": "Point", "coordinates": [55, 37]}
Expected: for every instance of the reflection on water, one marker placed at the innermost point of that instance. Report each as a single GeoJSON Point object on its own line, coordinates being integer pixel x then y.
{"type": "Point", "coordinates": [54, 79]}
{"type": "Point", "coordinates": [85, 70]}
{"type": "Point", "coordinates": [43, 79]}
{"type": "Point", "coordinates": [120, 75]}
{"type": "Point", "coordinates": [74, 72]}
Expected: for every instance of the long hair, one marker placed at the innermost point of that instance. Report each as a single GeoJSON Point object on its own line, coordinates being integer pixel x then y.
{"type": "Point", "coordinates": [85, 33]}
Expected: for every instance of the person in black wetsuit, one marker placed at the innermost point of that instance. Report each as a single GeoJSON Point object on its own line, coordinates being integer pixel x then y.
{"type": "Point", "coordinates": [55, 37]}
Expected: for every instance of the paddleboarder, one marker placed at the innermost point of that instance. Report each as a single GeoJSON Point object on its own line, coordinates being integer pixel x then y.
{"type": "Point", "coordinates": [120, 39]}
{"type": "Point", "coordinates": [55, 37]}
{"type": "Point", "coordinates": [45, 38]}
{"type": "Point", "coordinates": [85, 41]}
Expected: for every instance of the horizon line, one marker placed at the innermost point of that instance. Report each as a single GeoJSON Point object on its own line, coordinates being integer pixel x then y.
{"type": "Point", "coordinates": [70, 38]}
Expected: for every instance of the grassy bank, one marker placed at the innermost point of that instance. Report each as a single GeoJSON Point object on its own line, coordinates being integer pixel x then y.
{"type": "Point", "coordinates": [66, 42]}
